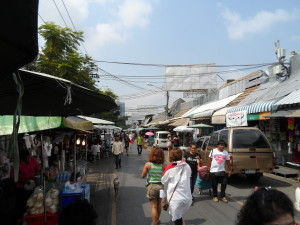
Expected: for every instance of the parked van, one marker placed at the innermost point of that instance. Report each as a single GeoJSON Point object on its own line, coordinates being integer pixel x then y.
{"type": "Point", "coordinates": [249, 150]}
{"type": "Point", "coordinates": [161, 139]}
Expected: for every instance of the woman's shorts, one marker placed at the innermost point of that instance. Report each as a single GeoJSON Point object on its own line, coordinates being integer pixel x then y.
{"type": "Point", "coordinates": [153, 191]}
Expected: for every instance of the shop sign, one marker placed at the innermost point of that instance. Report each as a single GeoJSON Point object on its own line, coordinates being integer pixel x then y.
{"type": "Point", "coordinates": [263, 114]}
{"type": "Point", "coordinates": [236, 119]}
{"type": "Point", "coordinates": [251, 117]}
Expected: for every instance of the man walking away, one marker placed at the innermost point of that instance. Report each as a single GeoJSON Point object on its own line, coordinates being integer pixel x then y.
{"type": "Point", "coordinates": [140, 141]}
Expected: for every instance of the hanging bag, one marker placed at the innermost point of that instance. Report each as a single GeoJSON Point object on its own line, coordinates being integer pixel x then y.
{"type": "Point", "coordinates": [166, 204]}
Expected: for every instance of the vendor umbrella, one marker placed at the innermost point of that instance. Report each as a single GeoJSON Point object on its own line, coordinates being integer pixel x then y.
{"type": "Point", "coordinates": [200, 125]}
{"type": "Point", "coordinates": [149, 133]}
{"type": "Point", "coordinates": [183, 129]}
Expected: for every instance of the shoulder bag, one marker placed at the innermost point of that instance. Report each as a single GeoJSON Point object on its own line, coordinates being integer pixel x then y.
{"type": "Point", "coordinates": [166, 204]}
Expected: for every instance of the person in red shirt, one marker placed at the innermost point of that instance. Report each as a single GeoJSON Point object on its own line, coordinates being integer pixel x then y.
{"type": "Point", "coordinates": [28, 169]}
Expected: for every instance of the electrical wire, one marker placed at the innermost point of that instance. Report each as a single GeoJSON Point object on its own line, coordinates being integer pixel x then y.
{"type": "Point", "coordinates": [73, 25]}
{"type": "Point", "coordinates": [41, 18]}
{"type": "Point", "coordinates": [188, 65]}
{"type": "Point", "coordinates": [60, 13]}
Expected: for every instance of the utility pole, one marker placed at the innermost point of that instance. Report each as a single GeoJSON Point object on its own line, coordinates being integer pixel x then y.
{"type": "Point", "coordinates": [167, 105]}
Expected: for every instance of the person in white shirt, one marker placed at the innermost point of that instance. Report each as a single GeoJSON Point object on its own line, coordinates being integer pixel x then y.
{"type": "Point", "coordinates": [216, 166]}
{"type": "Point", "coordinates": [95, 150]}
{"type": "Point", "coordinates": [117, 150]}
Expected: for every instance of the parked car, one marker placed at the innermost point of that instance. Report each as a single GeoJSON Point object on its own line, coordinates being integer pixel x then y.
{"type": "Point", "coordinates": [161, 139]}
{"type": "Point", "coordinates": [202, 142]}
{"type": "Point", "coordinates": [249, 149]}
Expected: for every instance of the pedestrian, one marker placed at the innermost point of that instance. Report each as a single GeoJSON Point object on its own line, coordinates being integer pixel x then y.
{"type": "Point", "coordinates": [154, 170]}
{"type": "Point", "coordinates": [80, 212]}
{"type": "Point", "coordinates": [151, 140]}
{"type": "Point", "coordinates": [117, 150]}
{"type": "Point", "coordinates": [176, 141]}
{"type": "Point", "coordinates": [216, 166]}
{"type": "Point", "coordinates": [193, 159]}
{"type": "Point", "coordinates": [29, 168]}
{"type": "Point", "coordinates": [95, 150]}
{"type": "Point", "coordinates": [169, 142]}
{"type": "Point", "coordinates": [267, 206]}
{"type": "Point", "coordinates": [126, 143]}
{"type": "Point", "coordinates": [177, 179]}
{"type": "Point", "coordinates": [140, 141]}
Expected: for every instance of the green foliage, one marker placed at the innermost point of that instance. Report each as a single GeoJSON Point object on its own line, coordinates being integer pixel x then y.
{"type": "Point", "coordinates": [60, 56]}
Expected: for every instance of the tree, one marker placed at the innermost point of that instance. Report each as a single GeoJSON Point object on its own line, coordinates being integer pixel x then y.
{"type": "Point", "coordinates": [60, 57]}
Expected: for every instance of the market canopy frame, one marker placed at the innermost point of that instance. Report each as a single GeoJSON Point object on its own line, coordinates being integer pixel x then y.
{"type": "Point", "coordinates": [46, 95]}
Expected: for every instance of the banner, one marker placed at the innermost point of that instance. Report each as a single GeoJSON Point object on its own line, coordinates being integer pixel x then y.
{"type": "Point", "coordinates": [191, 77]}
{"type": "Point", "coordinates": [236, 119]}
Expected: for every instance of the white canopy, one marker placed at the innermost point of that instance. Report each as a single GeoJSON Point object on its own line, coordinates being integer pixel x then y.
{"type": "Point", "coordinates": [183, 129]}
{"type": "Point", "coordinates": [97, 121]}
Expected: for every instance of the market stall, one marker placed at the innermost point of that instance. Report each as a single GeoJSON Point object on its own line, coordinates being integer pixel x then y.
{"type": "Point", "coordinates": [60, 146]}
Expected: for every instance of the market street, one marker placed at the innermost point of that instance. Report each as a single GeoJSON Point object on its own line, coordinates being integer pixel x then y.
{"type": "Point", "coordinates": [132, 207]}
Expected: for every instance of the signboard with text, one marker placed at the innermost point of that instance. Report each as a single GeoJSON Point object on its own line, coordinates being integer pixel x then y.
{"type": "Point", "coordinates": [236, 119]}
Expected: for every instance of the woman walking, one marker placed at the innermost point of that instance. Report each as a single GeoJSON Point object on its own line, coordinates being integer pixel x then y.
{"type": "Point", "coordinates": [177, 178]}
{"type": "Point", "coordinates": [154, 170]}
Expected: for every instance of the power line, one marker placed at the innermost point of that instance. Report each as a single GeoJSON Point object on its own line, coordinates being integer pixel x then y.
{"type": "Point", "coordinates": [60, 13]}
{"type": "Point", "coordinates": [120, 80]}
{"type": "Point", "coordinates": [41, 18]}
{"type": "Point", "coordinates": [188, 65]}
{"type": "Point", "coordinates": [73, 25]}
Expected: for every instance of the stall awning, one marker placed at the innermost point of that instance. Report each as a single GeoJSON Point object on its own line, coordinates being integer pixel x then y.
{"type": "Point", "coordinates": [97, 120]}
{"type": "Point", "coordinates": [292, 98]}
{"type": "Point", "coordinates": [39, 123]}
{"type": "Point", "coordinates": [255, 107]}
{"type": "Point", "coordinates": [210, 106]}
{"type": "Point", "coordinates": [180, 122]}
{"type": "Point", "coordinates": [285, 113]}
{"type": "Point", "coordinates": [219, 117]}
{"type": "Point", "coordinates": [206, 113]}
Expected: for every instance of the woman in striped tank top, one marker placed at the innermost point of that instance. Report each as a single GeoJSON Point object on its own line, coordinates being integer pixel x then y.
{"type": "Point", "coordinates": [153, 170]}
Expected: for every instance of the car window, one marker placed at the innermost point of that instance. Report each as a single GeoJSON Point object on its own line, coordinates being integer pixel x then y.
{"type": "Point", "coordinates": [205, 143]}
{"type": "Point", "coordinates": [199, 142]}
{"type": "Point", "coordinates": [213, 140]}
{"type": "Point", "coordinates": [163, 135]}
{"type": "Point", "coordinates": [224, 136]}
{"type": "Point", "coordinates": [247, 138]}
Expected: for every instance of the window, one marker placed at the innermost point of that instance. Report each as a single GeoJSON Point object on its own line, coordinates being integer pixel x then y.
{"type": "Point", "coordinates": [213, 140]}
{"type": "Point", "coordinates": [224, 136]}
{"type": "Point", "coordinates": [163, 135]}
{"type": "Point", "coordinates": [248, 138]}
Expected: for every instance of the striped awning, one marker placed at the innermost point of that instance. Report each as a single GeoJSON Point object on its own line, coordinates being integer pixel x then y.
{"type": "Point", "coordinates": [255, 107]}
{"type": "Point", "coordinates": [291, 98]}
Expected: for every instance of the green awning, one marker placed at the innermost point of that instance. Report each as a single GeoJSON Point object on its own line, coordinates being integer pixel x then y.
{"type": "Point", "coordinates": [39, 123]}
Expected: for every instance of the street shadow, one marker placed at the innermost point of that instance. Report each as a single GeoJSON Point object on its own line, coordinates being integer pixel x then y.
{"type": "Point", "coordinates": [240, 181]}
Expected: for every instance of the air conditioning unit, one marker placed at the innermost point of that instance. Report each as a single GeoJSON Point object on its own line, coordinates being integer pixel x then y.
{"type": "Point", "coordinates": [277, 70]}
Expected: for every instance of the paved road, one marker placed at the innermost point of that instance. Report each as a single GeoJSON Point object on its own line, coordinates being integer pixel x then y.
{"type": "Point", "coordinates": [131, 207]}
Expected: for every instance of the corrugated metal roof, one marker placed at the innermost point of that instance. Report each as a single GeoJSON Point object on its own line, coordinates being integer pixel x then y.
{"type": "Point", "coordinates": [212, 105]}
{"type": "Point", "coordinates": [292, 98]}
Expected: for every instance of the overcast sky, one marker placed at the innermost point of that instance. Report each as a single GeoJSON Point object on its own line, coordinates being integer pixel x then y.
{"type": "Point", "coordinates": [176, 32]}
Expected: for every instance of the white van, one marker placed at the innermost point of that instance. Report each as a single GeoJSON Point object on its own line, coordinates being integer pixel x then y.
{"type": "Point", "coordinates": [161, 139]}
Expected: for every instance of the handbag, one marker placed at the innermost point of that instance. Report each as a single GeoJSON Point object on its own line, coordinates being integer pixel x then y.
{"type": "Point", "coordinates": [144, 146]}
{"type": "Point", "coordinates": [202, 172]}
{"type": "Point", "coordinates": [166, 204]}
